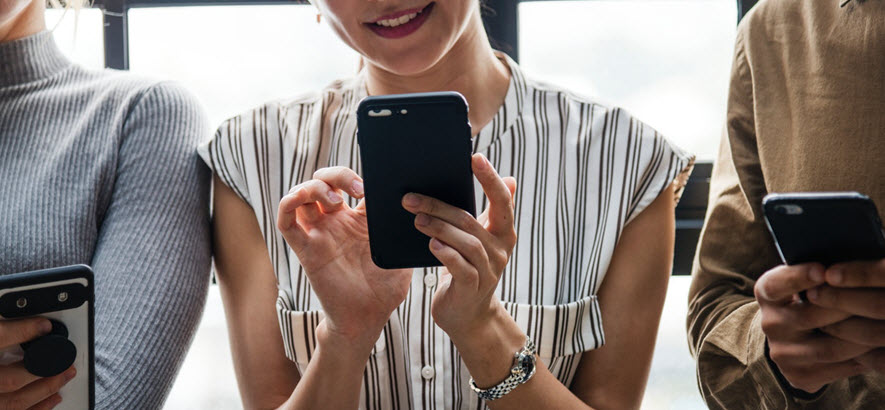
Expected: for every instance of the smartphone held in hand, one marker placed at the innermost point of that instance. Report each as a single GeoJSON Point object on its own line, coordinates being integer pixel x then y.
{"type": "Point", "coordinates": [825, 227]}
{"type": "Point", "coordinates": [417, 143]}
{"type": "Point", "coordinates": [65, 296]}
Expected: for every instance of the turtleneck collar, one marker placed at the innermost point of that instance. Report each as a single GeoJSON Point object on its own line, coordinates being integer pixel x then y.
{"type": "Point", "coordinates": [30, 59]}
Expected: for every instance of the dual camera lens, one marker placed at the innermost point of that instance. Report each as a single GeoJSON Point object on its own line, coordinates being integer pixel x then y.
{"type": "Point", "coordinates": [22, 302]}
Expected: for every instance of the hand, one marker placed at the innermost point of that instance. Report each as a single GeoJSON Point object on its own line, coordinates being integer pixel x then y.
{"type": "Point", "coordinates": [807, 358]}
{"type": "Point", "coordinates": [332, 243]}
{"type": "Point", "coordinates": [857, 288]}
{"type": "Point", "coordinates": [19, 389]}
{"type": "Point", "coordinates": [474, 251]}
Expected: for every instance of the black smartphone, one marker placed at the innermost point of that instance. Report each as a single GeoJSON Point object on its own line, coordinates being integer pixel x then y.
{"type": "Point", "coordinates": [826, 227]}
{"type": "Point", "coordinates": [412, 143]}
{"type": "Point", "coordinates": [65, 296]}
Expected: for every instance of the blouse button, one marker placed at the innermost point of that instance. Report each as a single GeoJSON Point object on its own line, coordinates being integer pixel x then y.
{"type": "Point", "coordinates": [427, 372]}
{"type": "Point", "coordinates": [430, 280]}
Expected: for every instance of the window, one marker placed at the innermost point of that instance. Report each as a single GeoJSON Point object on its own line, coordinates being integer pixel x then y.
{"type": "Point", "coordinates": [79, 36]}
{"type": "Point", "coordinates": [666, 61]}
{"type": "Point", "coordinates": [235, 58]}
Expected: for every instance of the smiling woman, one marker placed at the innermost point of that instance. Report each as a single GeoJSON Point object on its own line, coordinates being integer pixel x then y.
{"type": "Point", "coordinates": [550, 270]}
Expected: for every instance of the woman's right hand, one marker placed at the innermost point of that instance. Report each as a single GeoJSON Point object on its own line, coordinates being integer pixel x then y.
{"type": "Point", "coordinates": [19, 389]}
{"type": "Point", "coordinates": [331, 240]}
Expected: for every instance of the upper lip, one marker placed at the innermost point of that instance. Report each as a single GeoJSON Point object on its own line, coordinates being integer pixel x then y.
{"type": "Point", "coordinates": [398, 14]}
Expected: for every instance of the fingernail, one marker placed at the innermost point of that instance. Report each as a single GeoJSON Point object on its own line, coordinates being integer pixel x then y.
{"type": "Point", "coordinates": [835, 276]}
{"type": "Point", "coordinates": [412, 200]}
{"type": "Point", "coordinates": [358, 187]}
{"type": "Point", "coordinates": [45, 326]}
{"type": "Point", "coordinates": [812, 293]}
{"type": "Point", "coordinates": [70, 374]}
{"type": "Point", "coordinates": [334, 197]}
{"type": "Point", "coordinates": [435, 244]}
{"type": "Point", "coordinates": [422, 220]}
{"type": "Point", "coordinates": [816, 274]}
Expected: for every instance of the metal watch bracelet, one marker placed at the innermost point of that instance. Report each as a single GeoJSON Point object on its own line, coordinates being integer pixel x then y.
{"type": "Point", "coordinates": [523, 369]}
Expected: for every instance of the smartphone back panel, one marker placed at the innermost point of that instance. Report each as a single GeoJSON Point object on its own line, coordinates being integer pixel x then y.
{"type": "Point", "coordinates": [412, 143]}
{"type": "Point", "coordinates": [826, 228]}
{"type": "Point", "coordinates": [64, 294]}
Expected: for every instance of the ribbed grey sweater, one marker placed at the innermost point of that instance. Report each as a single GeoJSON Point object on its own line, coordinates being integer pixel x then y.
{"type": "Point", "coordinates": [100, 167]}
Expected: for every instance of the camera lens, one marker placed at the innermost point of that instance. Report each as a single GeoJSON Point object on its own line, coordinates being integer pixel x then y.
{"type": "Point", "coordinates": [63, 296]}
{"type": "Point", "coordinates": [21, 303]}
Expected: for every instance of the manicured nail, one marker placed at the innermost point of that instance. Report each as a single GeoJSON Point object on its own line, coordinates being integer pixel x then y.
{"type": "Point", "coordinates": [835, 276]}
{"type": "Point", "coordinates": [358, 187]}
{"type": "Point", "coordinates": [334, 197]}
{"type": "Point", "coordinates": [70, 374]}
{"type": "Point", "coordinates": [436, 244]}
{"type": "Point", "coordinates": [422, 220]}
{"type": "Point", "coordinates": [816, 274]}
{"type": "Point", "coordinates": [412, 200]}
{"type": "Point", "coordinates": [812, 293]}
{"type": "Point", "coordinates": [45, 326]}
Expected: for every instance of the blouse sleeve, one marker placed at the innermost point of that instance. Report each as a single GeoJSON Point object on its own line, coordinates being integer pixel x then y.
{"type": "Point", "coordinates": [655, 164]}
{"type": "Point", "coordinates": [223, 153]}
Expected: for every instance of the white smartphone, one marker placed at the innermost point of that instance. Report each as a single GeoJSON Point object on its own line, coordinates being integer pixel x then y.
{"type": "Point", "coordinates": [65, 296]}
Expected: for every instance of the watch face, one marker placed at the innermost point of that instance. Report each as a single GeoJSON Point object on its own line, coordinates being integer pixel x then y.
{"type": "Point", "coordinates": [528, 364]}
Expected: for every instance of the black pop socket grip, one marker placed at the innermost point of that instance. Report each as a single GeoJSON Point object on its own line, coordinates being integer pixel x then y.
{"type": "Point", "coordinates": [50, 354]}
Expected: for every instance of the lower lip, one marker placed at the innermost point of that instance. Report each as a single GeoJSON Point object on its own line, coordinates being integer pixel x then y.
{"type": "Point", "coordinates": [402, 30]}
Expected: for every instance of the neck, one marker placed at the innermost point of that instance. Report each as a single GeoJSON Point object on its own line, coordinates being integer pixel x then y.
{"type": "Point", "coordinates": [28, 22]}
{"type": "Point", "coordinates": [470, 67]}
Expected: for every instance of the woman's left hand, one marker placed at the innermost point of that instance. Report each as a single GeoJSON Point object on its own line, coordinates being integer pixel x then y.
{"type": "Point", "coordinates": [473, 250]}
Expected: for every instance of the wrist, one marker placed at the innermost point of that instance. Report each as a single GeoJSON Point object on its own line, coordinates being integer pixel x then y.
{"type": "Point", "coordinates": [488, 348]}
{"type": "Point", "coordinates": [348, 344]}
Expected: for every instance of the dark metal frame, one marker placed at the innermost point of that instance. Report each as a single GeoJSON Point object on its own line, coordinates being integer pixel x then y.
{"type": "Point", "coordinates": [501, 20]}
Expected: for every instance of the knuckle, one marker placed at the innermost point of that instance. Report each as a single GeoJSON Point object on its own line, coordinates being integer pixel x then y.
{"type": "Point", "coordinates": [777, 355]}
{"type": "Point", "coordinates": [769, 324]}
{"type": "Point", "coordinates": [464, 221]}
{"type": "Point", "coordinates": [8, 384]}
{"type": "Point", "coordinates": [475, 245]}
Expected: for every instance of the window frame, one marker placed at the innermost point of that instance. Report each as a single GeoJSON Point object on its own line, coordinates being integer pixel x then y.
{"type": "Point", "coordinates": [501, 19]}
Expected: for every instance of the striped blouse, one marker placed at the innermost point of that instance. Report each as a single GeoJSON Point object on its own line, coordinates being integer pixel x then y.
{"type": "Point", "coordinates": [585, 170]}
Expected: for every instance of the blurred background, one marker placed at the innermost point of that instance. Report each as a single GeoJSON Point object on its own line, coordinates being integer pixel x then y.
{"type": "Point", "coordinates": [667, 61]}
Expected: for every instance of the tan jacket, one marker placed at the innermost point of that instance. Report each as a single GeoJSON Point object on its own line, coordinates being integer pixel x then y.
{"type": "Point", "coordinates": [806, 112]}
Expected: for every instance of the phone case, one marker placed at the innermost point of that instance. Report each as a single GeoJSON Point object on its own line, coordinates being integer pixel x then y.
{"type": "Point", "coordinates": [412, 143]}
{"type": "Point", "coordinates": [827, 228]}
{"type": "Point", "coordinates": [65, 295]}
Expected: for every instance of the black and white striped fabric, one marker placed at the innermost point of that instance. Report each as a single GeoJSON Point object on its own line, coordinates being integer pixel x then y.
{"type": "Point", "coordinates": [584, 171]}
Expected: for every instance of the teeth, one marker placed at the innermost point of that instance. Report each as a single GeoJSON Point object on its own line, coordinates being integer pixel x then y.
{"type": "Point", "coordinates": [397, 21]}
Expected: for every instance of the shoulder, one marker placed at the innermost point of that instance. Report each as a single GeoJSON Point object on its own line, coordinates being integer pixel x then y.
{"type": "Point", "coordinates": [131, 90]}
{"type": "Point", "coordinates": [776, 23]}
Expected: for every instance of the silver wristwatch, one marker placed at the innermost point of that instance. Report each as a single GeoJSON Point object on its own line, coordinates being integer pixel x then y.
{"type": "Point", "coordinates": [523, 369]}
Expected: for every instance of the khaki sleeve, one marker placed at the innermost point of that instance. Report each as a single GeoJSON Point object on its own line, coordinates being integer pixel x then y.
{"type": "Point", "coordinates": [735, 248]}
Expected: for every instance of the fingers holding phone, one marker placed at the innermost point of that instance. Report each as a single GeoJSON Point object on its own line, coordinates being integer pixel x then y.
{"type": "Point", "coordinates": [331, 242]}
{"type": "Point", "coordinates": [857, 288]}
{"type": "Point", "coordinates": [806, 357]}
{"type": "Point", "coordinates": [473, 250]}
{"type": "Point", "coordinates": [19, 389]}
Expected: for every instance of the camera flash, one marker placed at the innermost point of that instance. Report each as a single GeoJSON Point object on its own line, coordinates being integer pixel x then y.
{"type": "Point", "coordinates": [21, 303]}
{"type": "Point", "coordinates": [404, 112]}
{"type": "Point", "coordinates": [63, 296]}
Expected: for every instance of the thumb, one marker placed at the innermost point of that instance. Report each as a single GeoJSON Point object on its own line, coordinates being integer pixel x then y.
{"type": "Point", "coordinates": [13, 332]}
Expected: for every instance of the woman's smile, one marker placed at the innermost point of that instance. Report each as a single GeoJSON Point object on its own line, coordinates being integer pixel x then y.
{"type": "Point", "coordinates": [401, 23]}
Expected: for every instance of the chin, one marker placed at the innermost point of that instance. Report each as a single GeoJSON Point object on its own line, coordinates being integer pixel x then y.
{"type": "Point", "coordinates": [411, 62]}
